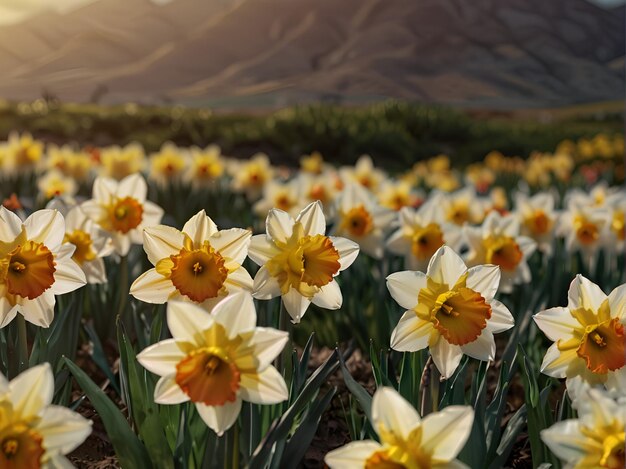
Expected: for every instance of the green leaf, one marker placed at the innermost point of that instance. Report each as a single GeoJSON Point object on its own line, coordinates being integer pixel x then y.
{"type": "Point", "coordinates": [129, 450]}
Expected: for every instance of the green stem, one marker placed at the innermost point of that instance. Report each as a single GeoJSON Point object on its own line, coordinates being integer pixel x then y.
{"type": "Point", "coordinates": [284, 324]}
{"type": "Point", "coordinates": [123, 286]}
{"type": "Point", "coordinates": [22, 343]}
{"type": "Point", "coordinates": [236, 446]}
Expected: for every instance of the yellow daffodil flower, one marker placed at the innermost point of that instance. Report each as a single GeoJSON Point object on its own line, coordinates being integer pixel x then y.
{"type": "Point", "coordinates": [217, 360]}
{"type": "Point", "coordinates": [450, 309]}
{"type": "Point", "coordinates": [407, 440]}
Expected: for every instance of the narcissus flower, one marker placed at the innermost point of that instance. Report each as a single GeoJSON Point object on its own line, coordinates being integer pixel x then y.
{"type": "Point", "coordinates": [118, 163]}
{"type": "Point", "coordinates": [34, 433]}
{"type": "Point", "coordinates": [34, 266]}
{"type": "Point", "coordinates": [498, 242]}
{"type": "Point", "coordinates": [588, 335]}
{"type": "Point", "coordinates": [361, 219]}
{"type": "Point", "coordinates": [407, 440]}
{"type": "Point", "coordinates": [206, 168]}
{"type": "Point", "coordinates": [217, 360]}
{"type": "Point", "coordinates": [281, 195]}
{"type": "Point", "coordinates": [91, 244]}
{"type": "Point", "coordinates": [121, 210]}
{"type": "Point", "coordinates": [595, 439]}
{"type": "Point", "coordinates": [251, 176]}
{"type": "Point", "coordinates": [421, 233]}
{"type": "Point", "coordinates": [450, 309]}
{"type": "Point", "coordinates": [299, 262]}
{"type": "Point", "coordinates": [363, 173]}
{"type": "Point", "coordinates": [537, 218]}
{"type": "Point", "coordinates": [199, 264]}
{"type": "Point", "coordinates": [167, 166]}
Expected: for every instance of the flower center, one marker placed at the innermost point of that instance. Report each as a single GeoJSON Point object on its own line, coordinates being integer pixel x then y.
{"type": "Point", "coordinates": [20, 448]}
{"type": "Point", "coordinates": [84, 246]}
{"type": "Point", "coordinates": [460, 315]}
{"type": "Point", "coordinates": [208, 375]}
{"type": "Point", "coordinates": [503, 251]}
{"type": "Point", "coordinates": [613, 456]}
{"type": "Point", "coordinates": [125, 214]}
{"type": "Point", "coordinates": [358, 221]}
{"type": "Point", "coordinates": [586, 232]}
{"type": "Point", "coordinates": [458, 214]}
{"type": "Point", "coordinates": [603, 346]}
{"type": "Point", "coordinates": [305, 263]}
{"type": "Point", "coordinates": [426, 241]}
{"type": "Point", "coordinates": [199, 273]}
{"type": "Point", "coordinates": [318, 192]}
{"type": "Point", "coordinates": [538, 223]}
{"type": "Point", "coordinates": [618, 225]}
{"type": "Point", "coordinates": [381, 460]}
{"type": "Point", "coordinates": [28, 270]}
{"type": "Point", "coordinates": [284, 202]}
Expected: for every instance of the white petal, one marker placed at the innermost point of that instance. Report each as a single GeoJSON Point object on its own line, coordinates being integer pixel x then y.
{"type": "Point", "coordinates": [232, 244]}
{"type": "Point", "coordinates": [446, 432]}
{"type": "Point", "coordinates": [411, 334]}
{"type": "Point", "coordinates": [236, 313]}
{"type": "Point", "coordinates": [266, 387]}
{"type": "Point", "coordinates": [405, 287]}
{"type": "Point", "coordinates": [121, 243]}
{"type": "Point", "coordinates": [295, 304]}
{"type": "Point", "coordinates": [557, 323]}
{"type": "Point", "coordinates": [446, 357]}
{"type": "Point", "coordinates": [103, 189]}
{"type": "Point", "coordinates": [7, 312]}
{"type": "Point", "coordinates": [152, 215]}
{"type": "Point", "coordinates": [501, 318]}
{"type": "Point", "coordinates": [10, 225]}
{"type": "Point", "coordinates": [62, 430]}
{"type": "Point", "coordinates": [161, 358]}
{"type": "Point", "coordinates": [484, 279]}
{"type": "Point", "coordinates": [161, 242]}
{"type": "Point", "coordinates": [446, 266]}
{"type": "Point", "coordinates": [261, 249]}
{"type": "Point", "coordinates": [167, 391]}
{"type": "Point", "coordinates": [220, 418]}
{"type": "Point", "coordinates": [47, 227]}
{"type": "Point", "coordinates": [199, 228]}
{"type": "Point", "coordinates": [584, 294]}
{"type": "Point", "coordinates": [312, 219]}
{"type": "Point", "coordinates": [39, 311]}
{"type": "Point", "coordinates": [329, 296]}
{"type": "Point", "coordinates": [263, 347]}
{"type": "Point", "coordinates": [186, 320]}
{"type": "Point", "coordinates": [39, 382]}
{"type": "Point", "coordinates": [483, 348]}
{"type": "Point", "coordinates": [265, 286]}
{"type": "Point", "coordinates": [556, 363]}
{"type": "Point", "coordinates": [617, 303]}
{"type": "Point", "coordinates": [133, 186]}
{"type": "Point", "coordinates": [239, 280]}
{"type": "Point", "coordinates": [565, 440]}
{"type": "Point", "coordinates": [68, 277]}
{"type": "Point", "coordinates": [347, 249]}
{"type": "Point", "coordinates": [279, 225]}
{"type": "Point", "coordinates": [152, 287]}
{"type": "Point", "coordinates": [392, 413]}
{"type": "Point", "coordinates": [351, 456]}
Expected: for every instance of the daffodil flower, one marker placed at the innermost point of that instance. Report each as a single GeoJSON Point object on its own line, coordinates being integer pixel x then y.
{"type": "Point", "coordinates": [537, 218]}
{"type": "Point", "coordinates": [34, 266]}
{"type": "Point", "coordinates": [585, 228]}
{"type": "Point", "coordinates": [298, 262]}
{"type": "Point", "coordinates": [407, 440]}
{"type": "Point", "coordinates": [595, 439]}
{"type": "Point", "coordinates": [450, 309]}
{"type": "Point", "coordinates": [498, 242]}
{"type": "Point", "coordinates": [421, 233]}
{"type": "Point", "coordinates": [588, 335]}
{"type": "Point", "coordinates": [121, 210]}
{"type": "Point", "coordinates": [199, 264]}
{"type": "Point", "coordinates": [361, 219]}
{"type": "Point", "coordinates": [363, 173]}
{"type": "Point", "coordinates": [167, 166]}
{"type": "Point", "coordinates": [217, 360]}
{"type": "Point", "coordinates": [34, 433]}
{"type": "Point", "coordinates": [283, 196]}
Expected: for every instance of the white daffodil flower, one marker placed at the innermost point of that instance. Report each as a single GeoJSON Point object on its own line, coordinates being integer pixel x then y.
{"type": "Point", "coordinates": [450, 309]}
{"type": "Point", "coordinates": [588, 335]}
{"type": "Point", "coordinates": [421, 233]}
{"type": "Point", "coordinates": [121, 210]}
{"type": "Point", "coordinates": [217, 360]}
{"type": "Point", "coordinates": [407, 440]}
{"type": "Point", "coordinates": [498, 242]}
{"type": "Point", "coordinates": [198, 264]}
{"type": "Point", "coordinates": [34, 433]}
{"type": "Point", "coordinates": [35, 265]}
{"type": "Point", "coordinates": [361, 219]}
{"type": "Point", "coordinates": [298, 262]}
{"type": "Point", "coordinates": [595, 439]}
{"type": "Point", "coordinates": [537, 218]}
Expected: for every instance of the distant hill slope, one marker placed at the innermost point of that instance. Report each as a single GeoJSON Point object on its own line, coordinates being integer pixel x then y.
{"type": "Point", "coordinates": [484, 53]}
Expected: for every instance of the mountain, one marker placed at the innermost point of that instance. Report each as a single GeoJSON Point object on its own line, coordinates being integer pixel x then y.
{"type": "Point", "coordinates": [484, 53]}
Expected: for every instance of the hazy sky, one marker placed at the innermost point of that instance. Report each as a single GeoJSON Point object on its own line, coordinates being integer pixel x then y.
{"type": "Point", "coordinates": [14, 11]}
